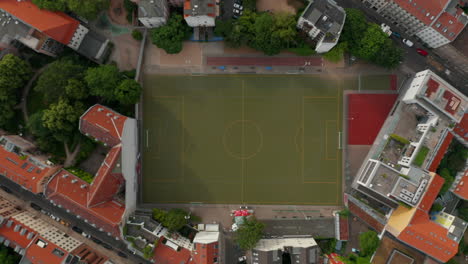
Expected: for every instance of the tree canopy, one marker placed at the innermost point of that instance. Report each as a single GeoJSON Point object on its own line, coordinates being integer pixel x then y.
{"type": "Point", "coordinates": [62, 118]}
{"type": "Point", "coordinates": [170, 36]}
{"type": "Point", "coordinates": [264, 31]}
{"type": "Point", "coordinates": [8, 256]}
{"type": "Point", "coordinates": [249, 233]}
{"type": "Point", "coordinates": [367, 41]}
{"type": "Point", "coordinates": [173, 219]}
{"type": "Point", "coordinates": [14, 74]}
{"type": "Point", "coordinates": [128, 92]}
{"type": "Point", "coordinates": [59, 74]}
{"type": "Point", "coordinates": [103, 80]}
{"type": "Point", "coordinates": [369, 242]}
{"type": "Point", "coordinates": [88, 9]}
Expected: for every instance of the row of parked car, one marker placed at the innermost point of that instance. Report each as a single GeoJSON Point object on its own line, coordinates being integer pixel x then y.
{"type": "Point", "coordinates": [388, 31]}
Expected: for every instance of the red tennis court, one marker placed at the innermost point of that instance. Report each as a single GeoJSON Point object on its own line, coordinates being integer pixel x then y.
{"type": "Point", "coordinates": [366, 115]}
{"type": "Point", "coordinates": [264, 61]}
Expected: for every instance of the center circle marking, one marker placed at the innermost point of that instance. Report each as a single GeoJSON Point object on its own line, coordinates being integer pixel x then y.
{"type": "Point", "coordinates": [243, 139]}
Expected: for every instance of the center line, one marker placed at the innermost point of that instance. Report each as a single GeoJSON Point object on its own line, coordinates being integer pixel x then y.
{"type": "Point", "coordinates": [242, 145]}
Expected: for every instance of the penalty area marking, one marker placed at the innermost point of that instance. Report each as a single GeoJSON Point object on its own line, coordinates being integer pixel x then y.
{"type": "Point", "coordinates": [147, 139]}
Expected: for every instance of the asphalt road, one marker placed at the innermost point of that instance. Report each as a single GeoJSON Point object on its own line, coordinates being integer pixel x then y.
{"type": "Point", "coordinates": [413, 62]}
{"type": "Point", "coordinates": [317, 227]}
{"type": "Point", "coordinates": [60, 212]}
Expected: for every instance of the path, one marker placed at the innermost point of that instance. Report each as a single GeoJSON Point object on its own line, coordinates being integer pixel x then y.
{"type": "Point", "coordinates": [24, 95]}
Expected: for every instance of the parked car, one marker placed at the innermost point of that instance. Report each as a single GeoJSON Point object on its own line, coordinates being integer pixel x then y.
{"type": "Point", "coordinates": [238, 6]}
{"type": "Point", "coordinates": [408, 42]}
{"type": "Point", "coordinates": [121, 254]}
{"type": "Point", "coordinates": [5, 189]}
{"type": "Point", "coordinates": [396, 34]}
{"type": "Point", "coordinates": [355, 250]}
{"type": "Point", "coordinates": [386, 29]}
{"type": "Point", "coordinates": [422, 52]}
{"type": "Point", "coordinates": [106, 246]}
{"type": "Point", "coordinates": [95, 240]}
{"type": "Point", "coordinates": [85, 235]}
{"type": "Point", "coordinates": [242, 259]}
{"type": "Point", "coordinates": [35, 207]}
{"type": "Point", "coordinates": [77, 229]}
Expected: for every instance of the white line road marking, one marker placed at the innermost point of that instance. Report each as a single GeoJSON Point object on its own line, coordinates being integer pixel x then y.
{"type": "Point", "coordinates": [339, 139]}
{"type": "Point", "coordinates": [147, 139]}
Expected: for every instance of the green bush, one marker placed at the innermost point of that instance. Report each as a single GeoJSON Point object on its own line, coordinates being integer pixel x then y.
{"type": "Point", "coordinates": [85, 176]}
{"type": "Point", "coordinates": [400, 139]}
{"type": "Point", "coordinates": [436, 207]}
{"type": "Point", "coordinates": [131, 8]}
{"type": "Point", "coordinates": [336, 54]}
{"type": "Point", "coordinates": [303, 51]}
{"type": "Point", "coordinates": [421, 156]}
{"type": "Point", "coordinates": [137, 35]}
{"type": "Point", "coordinates": [445, 173]}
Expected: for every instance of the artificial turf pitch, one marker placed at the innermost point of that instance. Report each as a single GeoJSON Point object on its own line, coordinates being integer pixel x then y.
{"type": "Point", "coordinates": [242, 139]}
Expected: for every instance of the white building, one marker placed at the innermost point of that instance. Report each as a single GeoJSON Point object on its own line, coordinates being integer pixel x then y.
{"type": "Point", "coordinates": [152, 13]}
{"type": "Point", "coordinates": [323, 21]}
{"type": "Point", "coordinates": [274, 250]}
{"type": "Point", "coordinates": [435, 22]}
{"type": "Point", "coordinates": [200, 13]}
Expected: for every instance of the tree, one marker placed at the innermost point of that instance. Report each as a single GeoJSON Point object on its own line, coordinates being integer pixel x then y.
{"type": "Point", "coordinates": [250, 5]}
{"type": "Point", "coordinates": [336, 53]}
{"type": "Point", "coordinates": [249, 233]}
{"type": "Point", "coordinates": [86, 8]}
{"type": "Point", "coordinates": [170, 36]}
{"type": "Point", "coordinates": [62, 118]}
{"type": "Point", "coordinates": [76, 89]}
{"type": "Point", "coordinates": [53, 81]}
{"type": "Point", "coordinates": [176, 219]}
{"type": "Point", "coordinates": [137, 35]}
{"type": "Point", "coordinates": [128, 92]}
{"type": "Point", "coordinates": [103, 80]}
{"type": "Point", "coordinates": [371, 42]}
{"type": "Point", "coordinates": [354, 28]}
{"type": "Point", "coordinates": [369, 242]}
{"type": "Point", "coordinates": [224, 27]}
{"type": "Point", "coordinates": [389, 55]}
{"type": "Point", "coordinates": [445, 173]}
{"type": "Point", "coordinates": [14, 73]}
{"type": "Point", "coordinates": [159, 215]}
{"type": "Point", "coordinates": [463, 213]}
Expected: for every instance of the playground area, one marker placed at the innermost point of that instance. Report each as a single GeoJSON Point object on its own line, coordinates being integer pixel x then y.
{"type": "Point", "coordinates": [244, 139]}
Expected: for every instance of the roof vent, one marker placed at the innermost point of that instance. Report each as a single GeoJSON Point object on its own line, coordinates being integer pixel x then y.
{"type": "Point", "coordinates": [74, 181]}
{"type": "Point", "coordinates": [100, 109]}
{"type": "Point", "coordinates": [65, 176]}
{"type": "Point", "coordinates": [83, 186]}
{"type": "Point", "coordinates": [118, 165]}
{"type": "Point", "coordinates": [116, 117]}
{"type": "Point", "coordinates": [109, 114]}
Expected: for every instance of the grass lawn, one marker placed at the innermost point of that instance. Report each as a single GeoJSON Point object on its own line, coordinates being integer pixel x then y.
{"type": "Point", "coordinates": [257, 139]}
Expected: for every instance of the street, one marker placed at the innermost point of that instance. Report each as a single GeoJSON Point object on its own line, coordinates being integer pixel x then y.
{"type": "Point", "coordinates": [413, 62]}
{"type": "Point", "coordinates": [60, 212]}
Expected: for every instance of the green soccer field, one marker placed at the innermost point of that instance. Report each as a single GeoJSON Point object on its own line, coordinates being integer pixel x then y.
{"type": "Point", "coordinates": [243, 139]}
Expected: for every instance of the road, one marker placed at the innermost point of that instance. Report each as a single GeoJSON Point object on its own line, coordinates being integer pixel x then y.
{"type": "Point", "coordinates": [413, 62]}
{"type": "Point", "coordinates": [26, 195]}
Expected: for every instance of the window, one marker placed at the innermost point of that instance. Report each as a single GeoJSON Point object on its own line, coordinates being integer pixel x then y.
{"type": "Point", "coordinates": [451, 34]}
{"type": "Point", "coordinates": [445, 29]}
{"type": "Point", "coordinates": [438, 25]}
{"type": "Point", "coordinates": [451, 22]}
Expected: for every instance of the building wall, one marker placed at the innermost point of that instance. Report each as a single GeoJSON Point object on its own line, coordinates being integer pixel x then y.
{"type": "Point", "coordinates": [323, 47]}
{"type": "Point", "coordinates": [432, 37]}
{"type": "Point", "coordinates": [78, 37]}
{"type": "Point", "coordinates": [152, 22]}
{"type": "Point", "coordinates": [401, 18]}
{"type": "Point", "coordinates": [200, 21]}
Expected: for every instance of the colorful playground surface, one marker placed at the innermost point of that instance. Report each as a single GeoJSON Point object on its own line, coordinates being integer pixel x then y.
{"type": "Point", "coordinates": [238, 139]}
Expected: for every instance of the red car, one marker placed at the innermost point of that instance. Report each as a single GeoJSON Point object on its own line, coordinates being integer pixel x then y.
{"type": "Point", "coordinates": [422, 52]}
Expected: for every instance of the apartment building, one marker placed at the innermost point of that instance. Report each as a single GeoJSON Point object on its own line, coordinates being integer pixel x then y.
{"type": "Point", "coordinates": [47, 32]}
{"type": "Point", "coordinates": [21, 162]}
{"type": "Point", "coordinates": [397, 179]}
{"type": "Point", "coordinates": [322, 21]}
{"type": "Point", "coordinates": [152, 13]}
{"type": "Point", "coordinates": [436, 23]}
{"type": "Point", "coordinates": [200, 13]}
{"type": "Point", "coordinates": [301, 250]}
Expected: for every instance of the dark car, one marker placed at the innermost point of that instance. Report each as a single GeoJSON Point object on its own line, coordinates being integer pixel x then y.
{"type": "Point", "coordinates": [396, 34]}
{"type": "Point", "coordinates": [95, 240]}
{"type": "Point", "coordinates": [106, 246]}
{"type": "Point", "coordinates": [77, 229]}
{"type": "Point", "coordinates": [5, 189]}
{"type": "Point", "coordinates": [121, 254]}
{"type": "Point", "coordinates": [422, 52]}
{"type": "Point", "coordinates": [35, 207]}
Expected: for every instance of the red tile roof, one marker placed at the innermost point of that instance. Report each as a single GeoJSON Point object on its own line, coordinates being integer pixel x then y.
{"type": "Point", "coordinates": [461, 128]}
{"type": "Point", "coordinates": [421, 8]}
{"type": "Point", "coordinates": [450, 24]}
{"type": "Point", "coordinates": [10, 234]}
{"type": "Point", "coordinates": [432, 87]}
{"type": "Point", "coordinates": [344, 228]}
{"type": "Point", "coordinates": [461, 189]}
{"type": "Point", "coordinates": [441, 152]}
{"type": "Point", "coordinates": [451, 100]}
{"type": "Point", "coordinates": [357, 211]}
{"type": "Point", "coordinates": [103, 124]}
{"type": "Point", "coordinates": [425, 235]}
{"type": "Point", "coordinates": [56, 25]}
{"type": "Point", "coordinates": [205, 253]}
{"type": "Point", "coordinates": [107, 182]}
{"type": "Point", "coordinates": [72, 193]}
{"type": "Point", "coordinates": [41, 255]}
{"type": "Point", "coordinates": [22, 171]}
{"type": "Point", "coordinates": [166, 255]}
